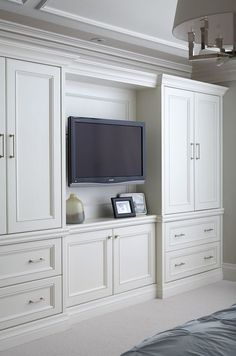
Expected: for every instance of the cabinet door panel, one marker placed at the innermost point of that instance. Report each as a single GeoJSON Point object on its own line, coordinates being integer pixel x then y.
{"type": "Point", "coordinates": [207, 163]}
{"type": "Point", "coordinates": [34, 170]}
{"type": "Point", "coordinates": [178, 179]}
{"type": "Point", "coordinates": [134, 257]}
{"type": "Point", "coordinates": [2, 149]}
{"type": "Point", "coordinates": [88, 266]}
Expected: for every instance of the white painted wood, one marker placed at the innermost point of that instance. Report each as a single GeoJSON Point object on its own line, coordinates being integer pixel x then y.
{"type": "Point", "coordinates": [208, 148]}
{"type": "Point", "coordinates": [134, 257]}
{"type": "Point", "coordinates": [30, 301]}
{"type": "Point", "coordinates": [34, 173]}
{"type": "Point", "coordinates": [115, 302]}
{"type": "Point", "coordinates": [29, 261]}
{"type": "Point", "coordinates": [189, 233]}
{"type": "Point", "coordinates": [187, 262]}
{"type": "Point", "coordinates": [178, 179]}
{"type": "Point", "coordinates": [3, 227]}
{"type": "Point", "coordinates": [89, 266]}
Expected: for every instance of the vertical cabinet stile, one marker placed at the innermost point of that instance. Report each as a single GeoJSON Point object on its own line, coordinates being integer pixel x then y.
{"type": "Point", "coordinates": [3, 227]}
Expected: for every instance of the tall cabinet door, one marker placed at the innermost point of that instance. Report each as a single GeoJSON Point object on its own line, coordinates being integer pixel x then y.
{"type": "Point", "coordinates": [207, 163]}
{"type": "Point", "coordinates": [2, 149]}
{"type": "Point", "coordinates": [34, 153]}
{"type": "Point", "coordinates": [178, 155]}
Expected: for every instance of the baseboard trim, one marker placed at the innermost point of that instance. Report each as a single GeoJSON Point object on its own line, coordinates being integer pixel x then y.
{"type": "Point", "coordinates": [229, 271]}
{"type": "Point", "coordinates": [105, 305]}
{"type": "Point", "coordinates": [186, 284]}
{"type": "Point", "coordinates": [34, 330]}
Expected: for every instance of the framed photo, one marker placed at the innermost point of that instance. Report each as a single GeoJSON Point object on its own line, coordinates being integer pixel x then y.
{"type": "Point", "coordinates": [139, 202]}
{"type": "Point", "coordinates": [123, 207]}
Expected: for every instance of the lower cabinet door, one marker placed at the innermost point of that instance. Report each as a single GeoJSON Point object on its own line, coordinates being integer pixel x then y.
{"type": "Point", "coordinates": [88, 266]}
{"type": "Point", "coordinates": [26, 302]}
{"type": "Point", "coordinates": [134, 257]}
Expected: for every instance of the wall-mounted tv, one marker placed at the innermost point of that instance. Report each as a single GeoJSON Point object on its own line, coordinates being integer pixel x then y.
{"type": "Point", "coordinates": [104, 151]}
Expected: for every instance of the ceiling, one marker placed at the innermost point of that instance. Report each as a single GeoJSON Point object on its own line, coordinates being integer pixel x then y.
{"type": "Point", "coordinates": [142, 26]}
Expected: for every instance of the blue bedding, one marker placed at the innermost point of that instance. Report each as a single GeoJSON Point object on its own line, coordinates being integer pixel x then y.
{"type": "Point", "coordinates": [212, 335]}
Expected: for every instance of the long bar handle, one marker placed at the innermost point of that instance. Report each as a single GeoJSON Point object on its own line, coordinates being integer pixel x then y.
{"type": "Point", "coordinates": [3, 145]}
{"type": "Point", "coordinates": [13, 146]}
{"type": "Point", "coordinates": [198, 154]}
{"type": "Point", "coordinates": [192, 150]}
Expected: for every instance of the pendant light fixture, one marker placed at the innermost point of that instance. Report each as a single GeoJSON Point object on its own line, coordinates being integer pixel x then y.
{"type": "Point", "coordinates": [209, 23]}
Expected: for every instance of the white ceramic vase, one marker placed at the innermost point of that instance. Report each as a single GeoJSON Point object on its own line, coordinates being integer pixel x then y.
{"type": "Point", "coordinates": [74, 210]}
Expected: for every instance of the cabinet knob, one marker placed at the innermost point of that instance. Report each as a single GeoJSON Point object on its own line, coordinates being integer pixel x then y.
{"type": "Point", "coordinates": [117, 236]}
{"type": "Point", "coordinates": [109, 237]}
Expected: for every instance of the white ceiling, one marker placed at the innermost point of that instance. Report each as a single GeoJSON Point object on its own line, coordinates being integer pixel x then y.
{"type": "Point", "coordinates": [144, 26]}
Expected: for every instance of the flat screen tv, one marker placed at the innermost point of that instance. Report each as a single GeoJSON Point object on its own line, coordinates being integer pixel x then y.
{"type": "Point", "coordinates": [103, 151]}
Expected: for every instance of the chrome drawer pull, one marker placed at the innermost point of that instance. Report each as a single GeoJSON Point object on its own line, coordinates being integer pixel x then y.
{"type": "Point", "coordinates": [41, 299]}
{"type": "Point", "coordinates": [180, 264]}
{"type": "Point", "coordinates": [192, 151]}
{"type": "Point", "coordinates": [208, 230]}
{"type": "Point", "coordinates": [36, 260]}
{"type": "Point", "coordinates": [198, 155]}
{"type": "Point", "coordinates": [179, 235]}
{"type": "Point", "coordinates": [208, 257]}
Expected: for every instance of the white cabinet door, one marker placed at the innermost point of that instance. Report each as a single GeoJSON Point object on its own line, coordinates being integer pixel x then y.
{"type": "Point", "coordinates": [34, 153]}
{"type": "Point", "coordinates": [3, 188]}
{"type": "Point", "coordinates": [134, 257]}
{"type": "Point", "coordinates": [207, 163]}
{"type": "Point", "coordinates": [178, 178]}
{"type": "Point", "coordinates": [88, 266]}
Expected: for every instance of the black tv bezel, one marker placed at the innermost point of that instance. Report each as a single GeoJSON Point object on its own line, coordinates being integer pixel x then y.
{"type": "Point", "coordinates": [76, 181]}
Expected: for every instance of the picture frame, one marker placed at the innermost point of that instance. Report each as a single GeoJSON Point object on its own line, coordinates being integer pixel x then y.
{"type": "Point", "coordinates": [123, 207]}
{"type": "Point", "coordinates": [139, 202]}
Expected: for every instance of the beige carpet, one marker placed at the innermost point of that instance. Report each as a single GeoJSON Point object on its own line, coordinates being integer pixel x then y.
{"type": "Point", "coordinates": [114, 333]}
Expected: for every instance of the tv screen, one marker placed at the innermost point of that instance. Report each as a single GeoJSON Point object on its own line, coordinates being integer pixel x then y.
{"type": "Point", "coordinates": [105, 151]}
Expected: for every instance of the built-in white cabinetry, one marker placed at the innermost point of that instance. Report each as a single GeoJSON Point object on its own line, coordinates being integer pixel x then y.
{"type": "Point", "coordinates": [103, 262]}
{"type": "Point", "coordinates": [191, 124]}
{"type": "Point", "coordinates": [184, 179]}
{"type": "Point", "coordinates": [30, 146]}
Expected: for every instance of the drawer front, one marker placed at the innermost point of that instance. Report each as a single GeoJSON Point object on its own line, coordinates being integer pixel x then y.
{"type": "Point", "coordinates": [181, 234]}
{"type": "Point", "coordinates": [29, 261]}
{"type": "Point", "coordinates": [30, 301]}
{"type": "Point", "coordinates": [191, 261]}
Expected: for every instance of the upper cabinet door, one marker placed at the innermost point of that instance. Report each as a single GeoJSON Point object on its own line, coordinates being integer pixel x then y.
{"type": "Point", "coordinates": [2, 149]}
{"type": "Point", "coordinates": [207, 163]}
{"type": "Point", "coordinates": [178, 155]}
{"type": "Point", "coordinates": [34, 152]}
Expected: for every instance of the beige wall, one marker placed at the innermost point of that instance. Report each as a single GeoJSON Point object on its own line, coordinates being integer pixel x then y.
{"type": "Point", "coordinates": [229, 173]}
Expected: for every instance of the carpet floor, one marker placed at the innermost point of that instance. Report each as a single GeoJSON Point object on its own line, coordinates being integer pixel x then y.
{"type": "Point", "coordinates": [115, 332]}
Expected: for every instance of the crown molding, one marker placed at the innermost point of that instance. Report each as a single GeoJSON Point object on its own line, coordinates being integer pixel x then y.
{"type": "Point", "coordinates": [190, 84]}
{"type": "Point", "coordinates": [98, 24]}
{"type": "Point", "coordinates": [69, 49]}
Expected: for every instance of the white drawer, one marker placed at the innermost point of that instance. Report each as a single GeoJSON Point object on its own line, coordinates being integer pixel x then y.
{"type": "Point", "coordinates": [29, 261]}
{"type": "Point", "coordinates": [191, 261]}
{"type": "Point", "coordinates": [30, 301]}
{"type": "Point", "coordinates": [187, 233]}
